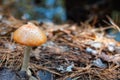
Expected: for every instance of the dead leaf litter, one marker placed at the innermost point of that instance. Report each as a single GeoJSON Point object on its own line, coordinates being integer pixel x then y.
{"type": "Point", "coordinates": [72, 51]}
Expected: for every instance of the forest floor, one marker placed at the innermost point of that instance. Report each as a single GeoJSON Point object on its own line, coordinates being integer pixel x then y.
{"type": "Point", "coordinates": [71, 52]}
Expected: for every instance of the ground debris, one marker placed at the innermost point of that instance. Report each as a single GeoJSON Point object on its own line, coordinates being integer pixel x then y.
{"type": "Point", "coordinates": [71, 52]}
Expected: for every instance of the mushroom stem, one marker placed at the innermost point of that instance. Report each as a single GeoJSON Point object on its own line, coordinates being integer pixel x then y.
{"type": "Point", "coordinates": [26, 58]}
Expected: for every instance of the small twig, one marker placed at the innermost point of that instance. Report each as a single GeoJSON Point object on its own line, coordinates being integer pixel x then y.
{"type": "Point", "coordinates": [76, 73]}
{"type": "Point", "coordinates": [44, 68]}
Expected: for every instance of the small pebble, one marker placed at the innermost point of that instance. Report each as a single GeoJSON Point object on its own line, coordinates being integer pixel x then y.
{"type": "Point", "coordinates": [60, 68]}
{"type": "Point", "coordinates": [98, 62]}
{"type": "Point", "coordinates": [89, 50]}
{"type": "Point", "coordinates": [96, 45]}
{"type": "Point", "coordinates": [92, 51]}
{"type": "Point", "coordinates": [69, 68]}
{"type": "Point", "coordinates": [10, 46]}
{"type": "Point", "coordinates": [111, 48]}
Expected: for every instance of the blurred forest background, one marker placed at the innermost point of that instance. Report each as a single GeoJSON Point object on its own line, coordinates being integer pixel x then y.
{"type": "Point", "coordinates": [60, 11]}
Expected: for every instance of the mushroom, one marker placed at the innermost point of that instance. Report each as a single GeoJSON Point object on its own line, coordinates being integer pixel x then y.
{"type": "Point", "coordinates": [29, 35]}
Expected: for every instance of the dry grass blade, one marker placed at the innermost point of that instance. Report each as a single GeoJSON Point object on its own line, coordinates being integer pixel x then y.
{"type": "Point", "coordinates": [114, 25]}
{"type": "Point", "coordinates": [44, 68]}
{"type": "Point", "coordinates": [78, 72]}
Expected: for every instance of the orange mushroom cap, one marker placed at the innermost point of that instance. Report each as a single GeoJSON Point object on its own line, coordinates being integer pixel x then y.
{"type": "Point", "coordinates": [29, 35]}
